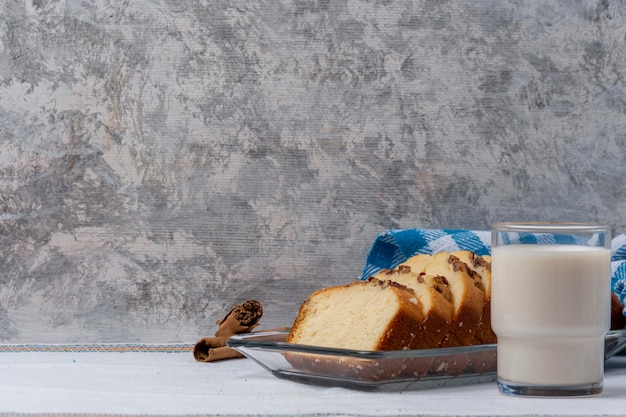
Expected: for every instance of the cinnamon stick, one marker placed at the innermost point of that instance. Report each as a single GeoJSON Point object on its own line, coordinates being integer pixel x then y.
{"type": "Point", "coordinates": [240, 319]}
{"type": "Point", "coordinates": [210, 349]}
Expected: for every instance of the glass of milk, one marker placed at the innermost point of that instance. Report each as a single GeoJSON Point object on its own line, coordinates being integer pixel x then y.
{"type": "Point", "coordinates": [550, 306]}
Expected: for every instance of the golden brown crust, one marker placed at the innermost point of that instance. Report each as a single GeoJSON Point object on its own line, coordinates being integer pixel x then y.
{"type": "Point", "coordinates": [431, 293]}
{"type": "Point", "coordinates": [402, 330]}
{"type": "Point", "coordinates": [467, 294]}
{"type": "Point", "coordinates": [484, 333]}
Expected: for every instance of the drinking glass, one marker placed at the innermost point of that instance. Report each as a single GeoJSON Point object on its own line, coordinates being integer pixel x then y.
{"type": "Point", "coordinates": [550, 306]}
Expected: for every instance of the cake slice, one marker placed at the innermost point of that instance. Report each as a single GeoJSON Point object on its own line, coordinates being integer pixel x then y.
{"type": "Point", "coordinates": [435, 300]}
{"type": "Point", "coordinates": [363, 315]}
{"type": "Point", "coordinates": [483, 361]}
{"type": "Point", "coordinates": [468, 296]}
{"type": "Point", "coordinates": [484, 334]}
{"type": "Point", "coordinates": [371, 315]}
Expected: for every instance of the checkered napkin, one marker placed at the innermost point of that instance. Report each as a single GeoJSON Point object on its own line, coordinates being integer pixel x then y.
{"type": "Point", "coordinates": [393, 247]}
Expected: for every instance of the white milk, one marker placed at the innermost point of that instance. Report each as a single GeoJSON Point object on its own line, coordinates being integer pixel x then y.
{"type": "Point", "coordinates": [550, 309]}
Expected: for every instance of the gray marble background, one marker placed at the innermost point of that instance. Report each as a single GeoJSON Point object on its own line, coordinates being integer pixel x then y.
{"type": "Point", "coordinates": [162, 160]}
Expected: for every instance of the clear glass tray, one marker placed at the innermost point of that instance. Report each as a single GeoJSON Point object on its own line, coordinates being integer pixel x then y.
{"type": "Point", "coordinates": [398, 370]}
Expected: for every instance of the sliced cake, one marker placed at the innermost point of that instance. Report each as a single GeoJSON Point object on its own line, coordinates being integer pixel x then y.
{"type": "Point", "coordinates": [467, 297]}
{"type": "Point", "coordinates": [371, 315]}
{"type": "Point", "coordinates": [363, 315]}
{"type": "Point", "coordinates": [435, 300]}
{"type": "Point", "coordinates": [481, 266]}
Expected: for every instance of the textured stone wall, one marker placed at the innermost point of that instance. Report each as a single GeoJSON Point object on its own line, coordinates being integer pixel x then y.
{"type": "Point", "coordinates": [161, 160]}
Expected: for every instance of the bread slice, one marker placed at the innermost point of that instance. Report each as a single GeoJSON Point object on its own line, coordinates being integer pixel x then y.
{"type": "Point", "coordinates": [467, 297]}
{"type": "Point", "coordinates": [364, 315]}
{"type": "Point", "coordinates": [484, 361]}
{"type": "Point", "coordinates": [435, 300]}
{"type": "Point", "coordinates": [484, 334]}
{"type": "Point", "coordinates": [371, 315]}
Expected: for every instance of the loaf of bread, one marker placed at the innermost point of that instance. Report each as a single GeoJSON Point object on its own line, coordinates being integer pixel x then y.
{"type": "Point", "coordinates": [429, 301]}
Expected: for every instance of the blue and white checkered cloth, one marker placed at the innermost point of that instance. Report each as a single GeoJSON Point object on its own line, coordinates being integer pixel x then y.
{"type": "Point", "coordinates": [393, 247]}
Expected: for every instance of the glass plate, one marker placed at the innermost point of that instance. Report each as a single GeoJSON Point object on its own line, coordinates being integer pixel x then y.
{"type": "Point", "coordinates": [398, 370]}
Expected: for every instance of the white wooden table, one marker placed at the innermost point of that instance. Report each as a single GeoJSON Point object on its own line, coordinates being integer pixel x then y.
{"type": "Point", "coordinates": [166, 383]}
